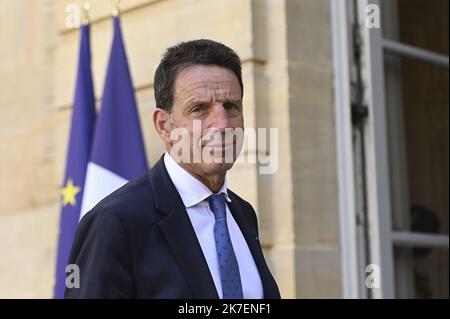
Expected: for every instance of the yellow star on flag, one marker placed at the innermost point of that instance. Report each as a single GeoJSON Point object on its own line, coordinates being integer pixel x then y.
{"type": "Point", "coordinates": [69, 193]}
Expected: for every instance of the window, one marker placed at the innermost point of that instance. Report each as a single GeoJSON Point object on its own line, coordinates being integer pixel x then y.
{"type": "Point", "coordinates": [405, 83]}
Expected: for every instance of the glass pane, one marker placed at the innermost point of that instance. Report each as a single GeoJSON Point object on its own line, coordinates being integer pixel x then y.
{"type": "Point", "coordinates": [417, 117]}
{"type": "Point", "coordinates": [421, 273]}
{"type": "Point", "coordinates": [420, 23]}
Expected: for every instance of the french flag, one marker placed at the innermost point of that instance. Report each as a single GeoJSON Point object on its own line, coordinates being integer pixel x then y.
{"type": "Point", "coordinates": [118, 153]}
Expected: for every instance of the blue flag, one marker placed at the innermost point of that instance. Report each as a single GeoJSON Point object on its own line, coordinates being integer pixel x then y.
{"type": "Point", "coordinates": [118, 153]}
{"type": "Point", "coordinates": [78, 154]}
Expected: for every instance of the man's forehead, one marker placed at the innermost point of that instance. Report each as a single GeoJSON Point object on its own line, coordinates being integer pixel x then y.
{"type": "Point", "coordinates": [202, 79]}
{"type": "Point", "coordinates": [206, 89]}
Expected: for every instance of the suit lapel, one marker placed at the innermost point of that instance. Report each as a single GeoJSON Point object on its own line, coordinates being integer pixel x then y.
{"type": "Point", "coordinates": [248, 228]}
{"type": "Point", "coordinates": [180, 234]}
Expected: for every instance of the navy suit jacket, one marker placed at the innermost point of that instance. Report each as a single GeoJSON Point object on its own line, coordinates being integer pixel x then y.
{"type": "Point", "coordinates": [139, 243]}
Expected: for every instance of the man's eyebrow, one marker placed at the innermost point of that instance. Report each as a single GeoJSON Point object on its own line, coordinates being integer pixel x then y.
{"type": "Point", "coordinates": [198, 101]}
{"type": "Point", "coordinates": [204, 101]}
{"type": "Point", "coordinates": [239, 101]}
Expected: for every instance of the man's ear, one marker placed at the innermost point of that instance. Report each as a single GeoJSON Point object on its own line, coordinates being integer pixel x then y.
{"type": "Point", "coordinates": [161, 121]}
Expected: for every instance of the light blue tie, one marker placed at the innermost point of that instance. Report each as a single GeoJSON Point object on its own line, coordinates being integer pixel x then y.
{"type": "Point", "coordinates": [229, 268]}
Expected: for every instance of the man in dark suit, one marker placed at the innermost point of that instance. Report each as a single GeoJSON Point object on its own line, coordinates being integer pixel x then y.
{"type": "Point", "coordinates": [178, 232]}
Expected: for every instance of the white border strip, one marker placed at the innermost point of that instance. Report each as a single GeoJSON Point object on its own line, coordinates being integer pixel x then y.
{"type": "Point", "coordinates": [344, 149]}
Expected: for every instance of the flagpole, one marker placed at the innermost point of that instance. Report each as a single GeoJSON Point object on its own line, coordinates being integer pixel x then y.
{"type": "Point", "coordinates": [115, 8]}
{"type": "Point", "coordinates": [86, 8]}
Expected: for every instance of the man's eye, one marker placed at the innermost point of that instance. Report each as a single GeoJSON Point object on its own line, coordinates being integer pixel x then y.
{"type": "Point", "coordinates": [197, 108]}
{"type": "Point", "coordinates": [230, 106]}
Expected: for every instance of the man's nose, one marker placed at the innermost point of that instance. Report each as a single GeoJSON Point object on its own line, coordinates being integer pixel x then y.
{"type": "Point", "coordinates": [220, 117]}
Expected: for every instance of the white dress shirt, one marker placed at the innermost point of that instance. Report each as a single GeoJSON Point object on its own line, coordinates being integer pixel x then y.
{"type": "Point", "coordinates": [194, 194]}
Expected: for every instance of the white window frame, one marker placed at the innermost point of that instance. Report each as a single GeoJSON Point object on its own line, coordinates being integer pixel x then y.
{"type": "Point", "coordinates": [383, 237]}
{"type": "Point", "coordinates": [344, 151]}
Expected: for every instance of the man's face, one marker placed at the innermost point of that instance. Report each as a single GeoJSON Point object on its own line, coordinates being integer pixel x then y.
{"type": "Point", "coordinates": [207, 99]}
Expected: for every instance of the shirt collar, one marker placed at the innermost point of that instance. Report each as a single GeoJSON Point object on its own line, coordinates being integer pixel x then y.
{"type": "Point", "coordinates": [191, 190]}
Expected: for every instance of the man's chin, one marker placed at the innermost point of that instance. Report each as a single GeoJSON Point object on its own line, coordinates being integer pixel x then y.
{"type": "Point", "coordinates": [216, 168]}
